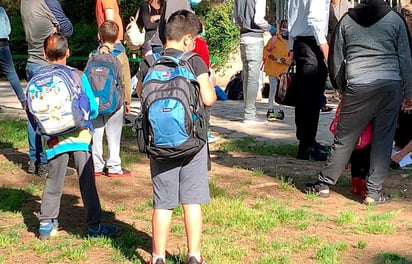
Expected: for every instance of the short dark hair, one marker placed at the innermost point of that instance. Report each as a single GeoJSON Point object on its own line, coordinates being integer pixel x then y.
{"type": "Point", "coordinates": [108, 31]}
{"type": "Point", "coordinates": [181, 23]}
{"type": "Point", "coordinates": [55, 46]}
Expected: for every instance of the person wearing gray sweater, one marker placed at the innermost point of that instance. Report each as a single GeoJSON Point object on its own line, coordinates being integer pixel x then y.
{"type": "Point", "coordinates": [40, 19]}
{"type": "Point", "coordinates": [369, 61]}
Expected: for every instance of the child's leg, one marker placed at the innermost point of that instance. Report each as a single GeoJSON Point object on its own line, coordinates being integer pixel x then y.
{"type": "Point", "coordinates": [165, 179]}
{"type": "Point", "coordinates": [53, 189]}
{"type": "Point", "coordinates": [273, 82]}
{"type": "Point", "coordinates": [114, 127]}
{"type": "Point", "coordinates": [360, 161]}
{"type": "Point", "coordinates": [161, 220]}
{"type": "Point", "coordinates": [97, 146]}
{"type": "Point", "coordinates": [84, 166]}
{"type": "Point", "coordinates": [194, 191]}
{"type": "Point", "coordinates": [193, 224]}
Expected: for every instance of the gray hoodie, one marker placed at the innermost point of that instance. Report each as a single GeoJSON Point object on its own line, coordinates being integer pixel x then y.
{"type": "Point", "coordinates": [371, 42]}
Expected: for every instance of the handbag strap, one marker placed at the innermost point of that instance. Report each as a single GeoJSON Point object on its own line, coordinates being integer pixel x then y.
{"type": "Point", "coordinates": [137, 14]}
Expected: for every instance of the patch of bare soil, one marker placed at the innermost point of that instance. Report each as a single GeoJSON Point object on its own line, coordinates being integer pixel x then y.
{"type": "Point", "coordinates": [233, 172]}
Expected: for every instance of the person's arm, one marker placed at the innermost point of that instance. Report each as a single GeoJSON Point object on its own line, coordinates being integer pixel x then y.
{"type": "Point", "coordinates": [207, 92]}
{"type": "Point", "coordinates": [336, 61]}
{"type": "Point", "coordinates": [144, 15]}
{"type": "Point", "coordinates": [259, 18]}
{"type": "Point", "coordinates": [405, 64]}
{"type": "Point", "coordinates": [402, 153]}
{"type": "Point", "coordinates": [6, 21]}
{"type": "Point", "coordinates": [109, 14]}
{"type": "Point", "coordinates": [65, 26]}
{"type": "Point", "coordinates": [127, 87]}
{"type": "Point", "coordinates": [318, 20]}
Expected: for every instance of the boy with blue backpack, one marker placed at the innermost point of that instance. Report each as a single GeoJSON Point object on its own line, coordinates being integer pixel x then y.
{"type": "Point", "coordinates": [61, 103]}
{"type": "Point", "coordinates": [109, 75]}
{"type": "Point", "coordinates": [175, 89]}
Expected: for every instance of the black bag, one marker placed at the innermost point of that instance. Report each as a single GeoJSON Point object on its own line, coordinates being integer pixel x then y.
{"type": "Point", "coordinates": [234, 88]}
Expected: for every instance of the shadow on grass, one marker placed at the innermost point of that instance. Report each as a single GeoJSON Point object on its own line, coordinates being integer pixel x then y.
{"type": "Point", "coordinates": [391, 258]}
{"type": "Point", "coordinates": [12, 154]}
{"type": "Point", "coordinates": [72, 220]}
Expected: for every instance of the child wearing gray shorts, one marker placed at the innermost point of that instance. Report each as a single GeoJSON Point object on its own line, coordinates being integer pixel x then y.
{"type": "Point", "coordinates": [185, 180]}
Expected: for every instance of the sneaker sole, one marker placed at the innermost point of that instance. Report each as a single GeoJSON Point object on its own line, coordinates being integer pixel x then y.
{"type": "Point", "coordinates": [116, 175]}
{"type": "Point", "coordinates": [52, 234]}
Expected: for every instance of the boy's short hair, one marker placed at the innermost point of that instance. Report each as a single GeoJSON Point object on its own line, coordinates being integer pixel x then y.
{"type": "Point", "coordinates": [55, 46]}
{"type": "Point", "coordinates": [181, 23]}
{"type": "Point", "coordinates": [108, 31]}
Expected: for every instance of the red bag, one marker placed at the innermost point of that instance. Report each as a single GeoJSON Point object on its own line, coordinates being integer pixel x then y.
{"type": "Point", "coordinates": [364, 138]}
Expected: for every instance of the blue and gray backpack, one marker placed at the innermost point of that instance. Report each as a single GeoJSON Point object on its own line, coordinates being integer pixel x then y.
{"type": "Point", "coordinates": [104, 73]}
{"type": "Point", "coordinates": [56, 101]}
{"type": "Point", "coordinates": [172, 123]}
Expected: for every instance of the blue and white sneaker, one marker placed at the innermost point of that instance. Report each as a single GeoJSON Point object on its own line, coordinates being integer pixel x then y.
{"type": "Point", "coordinates": [48, 229]}
{"type": "Point", "coordinates": [102, 230]}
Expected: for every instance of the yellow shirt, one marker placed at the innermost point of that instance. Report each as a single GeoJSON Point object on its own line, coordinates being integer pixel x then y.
{"type": "Point", "coordinates": [278, 62]}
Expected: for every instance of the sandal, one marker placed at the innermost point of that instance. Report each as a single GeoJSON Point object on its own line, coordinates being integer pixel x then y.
{"type": "Point", "coordinates": [319, 188]}
{"type": "Point", "coordinates": [382, 198]}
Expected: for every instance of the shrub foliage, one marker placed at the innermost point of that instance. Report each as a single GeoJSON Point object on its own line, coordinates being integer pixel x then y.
{"type": "Point", "coordinates": [220, 32]}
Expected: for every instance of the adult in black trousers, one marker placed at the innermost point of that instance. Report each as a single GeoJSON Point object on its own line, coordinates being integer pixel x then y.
{"type": "Point", "coordinates": [310, 78]}
{"type": "Point", "coordinates": [308, 27]}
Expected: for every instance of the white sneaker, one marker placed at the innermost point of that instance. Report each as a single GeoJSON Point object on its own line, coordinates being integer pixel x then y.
{"type": "Point", "coordinates": [255, 121]}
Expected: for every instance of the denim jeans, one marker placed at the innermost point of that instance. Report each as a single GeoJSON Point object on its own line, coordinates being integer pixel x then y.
{"type": "Point", "coordinates": [7, 67]}
{"type": "Point", "coordinates": [251, 54]}
{"type": "Point", "coordinates": [36, 153]}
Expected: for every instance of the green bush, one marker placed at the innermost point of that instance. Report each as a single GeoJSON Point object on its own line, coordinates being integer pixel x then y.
{"type": "Point", "coordinates": [222, 34]}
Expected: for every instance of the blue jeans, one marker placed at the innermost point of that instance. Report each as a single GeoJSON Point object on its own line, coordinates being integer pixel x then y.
{"type": "Point", "coordinates": [251, 55]}
{"type": "Point", "coordinates": [36, 153]}
{"type": "Point", "coordinates": [7, 67]}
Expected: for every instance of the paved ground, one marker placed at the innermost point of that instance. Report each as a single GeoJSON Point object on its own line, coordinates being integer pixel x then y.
{"type": "Point", "coordinates": [226, 119]}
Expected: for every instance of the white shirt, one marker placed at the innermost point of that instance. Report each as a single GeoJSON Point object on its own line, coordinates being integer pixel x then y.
{"type": "Point", "coordinates": [308, 18]}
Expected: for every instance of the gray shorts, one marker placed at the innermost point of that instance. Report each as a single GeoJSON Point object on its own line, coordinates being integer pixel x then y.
{"type": "Point", "coordinates": [176, 182]}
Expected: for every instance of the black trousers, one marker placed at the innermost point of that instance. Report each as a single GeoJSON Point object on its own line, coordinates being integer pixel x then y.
{"type": "Point", "coordinates": [310, 78]}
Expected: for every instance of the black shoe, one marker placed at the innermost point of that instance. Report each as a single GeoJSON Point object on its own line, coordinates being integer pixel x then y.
{"type": "Point", "coordinates": [312, 152]}
{"type": "Point", "coordinates": [321, 147]}
{"type": "Point", "coordinates": [319, 188]}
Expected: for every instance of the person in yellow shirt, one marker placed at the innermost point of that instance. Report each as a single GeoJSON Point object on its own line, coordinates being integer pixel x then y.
{"type": "Point", "coordinates": [275, 62]}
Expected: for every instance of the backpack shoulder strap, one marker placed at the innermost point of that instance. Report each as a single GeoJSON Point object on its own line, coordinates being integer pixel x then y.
{"type": "Point", "coordinates": [185, 57]}
{"type": "Point", "coordinates": [151, 59]}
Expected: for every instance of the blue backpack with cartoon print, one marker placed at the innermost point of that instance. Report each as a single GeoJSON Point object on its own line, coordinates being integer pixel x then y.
{"type": "Point", "coordinates": [56, 101]}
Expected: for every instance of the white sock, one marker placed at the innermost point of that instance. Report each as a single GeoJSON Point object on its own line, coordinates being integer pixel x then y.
{"type": "Point", "coordinates": [196, 255]}
{"type": "Point", "coordinates": [156, 257]}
